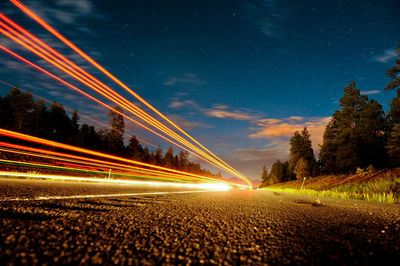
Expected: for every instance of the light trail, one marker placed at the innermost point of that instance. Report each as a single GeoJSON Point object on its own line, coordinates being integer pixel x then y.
{"type": "Point", "coordinates": [88, 118]}
{"type": "Point", "coordinates": [194, 149]}
{"type": "Point", "coordinates": [104, 165]}
{"type": "Point", "coordinates": [119, 181]}
{"type": "Point", "coordinates": [92, 98]}
{"type": "Point", "coordinates": [106, 195]}
{"type": "Point", "coordinates": [80, 170]}
{"type": "Point", "coordinates": [70, 68]}
{"type": "Point", "coordinates": [87, 95]}
{"type": "Point", "coordinates": [37, 140]}
{"type": "Point", "coordinates": [182, 175]}
{"type": "Point", "coordinates": [39, 20]}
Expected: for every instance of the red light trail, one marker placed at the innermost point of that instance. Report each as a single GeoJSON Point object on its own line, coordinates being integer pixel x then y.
{"type": "Point", "coordinates": [44, 51]}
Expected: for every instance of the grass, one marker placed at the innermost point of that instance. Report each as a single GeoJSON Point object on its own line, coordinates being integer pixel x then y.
{"type": "Point", "coordinates": [384, 190]}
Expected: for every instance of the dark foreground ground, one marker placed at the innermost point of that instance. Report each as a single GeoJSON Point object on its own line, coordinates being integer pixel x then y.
{"type": "Point", "coordinates": [234, 227]}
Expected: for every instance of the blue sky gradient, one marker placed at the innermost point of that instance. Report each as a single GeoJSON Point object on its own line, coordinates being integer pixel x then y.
{"type": "Point", "coordinates": [240, 76]}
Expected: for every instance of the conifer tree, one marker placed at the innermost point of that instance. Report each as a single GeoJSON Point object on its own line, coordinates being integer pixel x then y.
{"type": "Point", "coordinates": [39, 121]}
{"type": "Point", "coordinates": [134, 149]}
{"type": "Point", "coordinates": [264, 175]}
{"type": "Point", "coordinates": [146, 155]}
{"type": "Point", "coordinates": [393, 145]}
{"type": "Point", "coordinates": [21, 105]}
{"type": "Point", "coordinates": [302, 168]}
{"type": "Point", "coordinates": [394, 73]}
{"type": "Point", "coordinates": [115, 136]}
{"type": "Point", "coordinates": [393, 116]}
{"type": "Point", "coordinates": [355, 135]}
{"type": "Point", "coordinates": [301, 147]}
{"type": "Point", "coordinates": [183, 160]}
{"type": "Point", "coordinates": [296, 150]}
{"type": "Point", "coordinates": [158, 156]}
{"type": "Point", "coordinates": [169, 158]}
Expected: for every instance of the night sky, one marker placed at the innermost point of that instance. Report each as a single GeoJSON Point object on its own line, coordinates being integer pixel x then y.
{"type": "Point", "coordinates": [240, 76]}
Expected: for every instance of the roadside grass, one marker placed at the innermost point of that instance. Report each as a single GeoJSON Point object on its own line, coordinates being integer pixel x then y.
{"type": "Point", "coordinates": [384, 190]}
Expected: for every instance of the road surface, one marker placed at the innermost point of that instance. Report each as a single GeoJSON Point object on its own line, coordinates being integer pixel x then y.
{"type": "Point", "coordinates": [231, 227]}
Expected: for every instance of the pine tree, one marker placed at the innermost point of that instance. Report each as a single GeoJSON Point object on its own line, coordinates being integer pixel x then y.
{"type": "Point", "coordinates": [264, 175]}
{"type": "Point", "coordinates": [39, 121]}
{"type": "Point", "coordinates": [279, 172]}
{"type": "Point", "coordinates": [393, 145]}
{"type": "Point", "coordinates": [21, 105]}
{"type": "Point", "coordinates": [393, 116]}
{"type": "Point", "coordinates": [302, 168]}
{"type": "Point", "coordinates": [169, 158]}
{"type": "Point", "coordinates": [60, 123]}
{"type": "Point", "coordinates": [328, 151]}
{"type": "Point", "coordinates": [6, 119]}
{"type": "Point", "coordinates": [296, 150]}
{"type": "Point", "coordinates": [176, 162]}
{"type": "Point", "coordinates": [146, 155]}
{"type": "Point", "coordinates": [158, 156]}
{"type": "Point", "coordinates": [75, 126]}
{"type": "Point", "coordinates": [115, 136]}
{"type": "Point", "coordinates": [301, 147]}
{"type": "Point", "coordinates": [355, 135]}
{"type": "Point", "coordinates": [394, 73]}
{"type": "Point", "coordinates": [134, 150]}
{"type": "Point", "coordinates": [183, 160]}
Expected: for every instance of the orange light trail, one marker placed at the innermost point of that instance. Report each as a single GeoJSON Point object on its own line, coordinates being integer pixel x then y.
{"type": "Point", "coordinates": [89, 96]}
{"type": "Point", "coordinates": [73, 70]}
{"type": "Point", "coordinates": [37, 140]}
{"type": "Point", "coordinates": [94, 99]}
{"type": "Point", "coordinates": [164, 176]}
{"type": "Point", "coordinates": [23, 150]}
{"type": "Point", "coordinates": [44, 152]}
{"type": "Point", "coordinates": [89, 118]}
{"type": "Point", "coordinates": [39, 20]}
{"type": "Point", "coordinates": [134, 110]}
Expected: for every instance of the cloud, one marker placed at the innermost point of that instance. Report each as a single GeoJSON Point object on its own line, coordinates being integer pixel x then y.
{"type": "Point", "coordinates": [188, 78]}
{"type": "Point", "coordinates": [295, 118]}
{"type": "Point", "coordinates": [218, 110]}
{"type": "Point", "coordinates": [250, 161]}
{"type": "Point", "coordinates": [388, 55]}
{"type": "Point", "coordinates": [370, 92]}
{"type": "Point", "coordinates": [178, 104]}
{"type": "Point", "coordinates": [187, 125]}
{"type": "Point", "coordinates": [268, 16]}
{"type": "Point", "coordinates": [283, 129]}
{"type": "Point", "coordinates": [236, 115]}
{"type": "Point", "coordinates": [64, 12]}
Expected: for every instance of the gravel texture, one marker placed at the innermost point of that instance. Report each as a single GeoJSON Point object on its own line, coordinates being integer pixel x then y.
{"type": "Point", "coordinates": [233, 227]}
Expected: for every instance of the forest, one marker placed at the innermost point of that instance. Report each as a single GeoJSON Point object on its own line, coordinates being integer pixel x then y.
{"type": "Point", "coordinates": [360, 135]}
{"type": "Point", "coordinates": [20, 112]}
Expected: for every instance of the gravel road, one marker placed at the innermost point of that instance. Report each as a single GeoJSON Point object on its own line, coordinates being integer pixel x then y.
{"type": "Point", "coordinates": [232, 227]}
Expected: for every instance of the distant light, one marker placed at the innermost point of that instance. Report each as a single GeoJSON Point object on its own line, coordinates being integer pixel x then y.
{"type": "Point", "coordinates": [209, 186]}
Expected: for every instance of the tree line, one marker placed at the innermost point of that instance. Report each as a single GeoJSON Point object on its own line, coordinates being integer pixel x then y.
{"type": "Point", "coordinates": [359, 135]}
{"type": "Point", "coordinates": [20, 112]}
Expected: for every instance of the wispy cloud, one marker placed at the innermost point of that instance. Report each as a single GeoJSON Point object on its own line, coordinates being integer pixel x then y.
{"type": "Point", "coordinates": [217, 110]}
{"type": "Point", "coordinates": [178, 104]}
{"type": "Point", "coordinates": [236, 115]}
{"type": "Point", "coordinates": [250, 161]}
{"type": "Point", "coordinates": [283, 129]}
{"type": "Point", "coordinates": [187, 125]}
{"type": "Point", "coordinates": [387, 55]}
{"type": "Point", "coordinates": [370, 92]}
{"type": "Point", "coordinates": [63, 12]}
{"type": "Point", "coordinates": [186, 79]}
{"type": "Point", "coordinates": [268, 16]}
